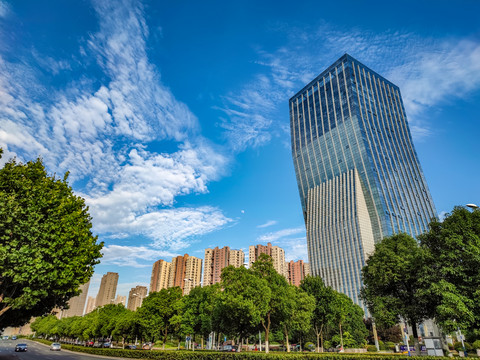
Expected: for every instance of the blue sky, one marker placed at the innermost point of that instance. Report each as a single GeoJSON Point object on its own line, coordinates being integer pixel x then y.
{"type": "Point", "coordinates": [172, 117]}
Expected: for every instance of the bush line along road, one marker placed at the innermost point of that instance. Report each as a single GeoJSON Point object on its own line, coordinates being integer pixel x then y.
{"type": "Point", "coordinates": [214, 355]}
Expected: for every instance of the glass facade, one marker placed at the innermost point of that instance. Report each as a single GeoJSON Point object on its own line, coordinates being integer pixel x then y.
{"type": "Point", "coordinates": [349, 128]}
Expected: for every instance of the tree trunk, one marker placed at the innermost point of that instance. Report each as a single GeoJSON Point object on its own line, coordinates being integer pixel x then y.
{"type": "Point", "coordinates": [267, 333]}
{"type": "Point", "coordinates": [318, 339]}
{"type": "Point", "coordinates": [321, 338]}
{"type": "Point", "coordinates": [123, 342]}
{"type": "Point", "coordinates": [239, 344]}
{"type": "Point", "coordinates": [286, 338]}
{"type": "Point", "coordinates": [201, 346]}
{"type": "Point", "coordinates": [416, 344]}
{"type": "Point", "coordinates": [341, 337]}
{"type": "Point", "coordinates": [165, 338]}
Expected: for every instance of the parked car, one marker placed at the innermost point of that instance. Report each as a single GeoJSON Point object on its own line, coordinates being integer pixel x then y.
{"type": "Point", "coordinates": [107, 344]}
{"type": "Point", "coordinates": [147, 346]}
{"type": "Point", "coordinates": [21, 347]}
{"type": "Point", "coordinates": [230, 348]}
{"type": "Point", "coordinates": [89, 343]}
{"type": "Point", "coordinates": [14, 337]}
{"type": "Point", "coordinates": [55, 347]}
{"type": "Point", "coordinates": [131, 347]}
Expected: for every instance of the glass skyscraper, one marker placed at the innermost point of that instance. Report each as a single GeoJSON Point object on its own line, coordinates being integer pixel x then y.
{"type": "Point", "coordinates": [358, 174]}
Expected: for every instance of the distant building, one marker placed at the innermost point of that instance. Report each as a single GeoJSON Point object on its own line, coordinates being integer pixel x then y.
{"type": "Point", "coordinates": [121, 300]}
{"type": "Point", "coordinates": [77, 303]}
{"type": "Point", "coordinates": [108, 289]}
{"type": "Point", "coordinates": [136, 296]}
{"type": "Point", "coordinates": [217, 259]}
{"type": "Point", "coordinates": [277, 254]}
{"type": "Point", "coordinates": [90, 305]}
{"type": "Point", "coordinates": [297, 271]}
{"type": "Point", "coordinates": [160, 275]}
{"type": "Point", "coordinates": [186, 273]}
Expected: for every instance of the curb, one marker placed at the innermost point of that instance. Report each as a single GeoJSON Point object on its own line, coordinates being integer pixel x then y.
{"type": "Point", "coordinates": [82, 353]}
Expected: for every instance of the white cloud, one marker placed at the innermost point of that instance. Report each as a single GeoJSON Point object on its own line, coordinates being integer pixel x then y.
{"type": "Point", "coordinates": [295, 249]}
{"type": "Point", "coordinates": [429, 72]}
{"type": "Point", "coordinates": [274, 236]}
{"type": "Point", "coordinates": [267, 224]}
{"type": "Point", "coordinates": [134, 256]}
{"type": "Point", "coordinates": [4, 9]}
{"type": "Point", "coordinates": [101, 131]}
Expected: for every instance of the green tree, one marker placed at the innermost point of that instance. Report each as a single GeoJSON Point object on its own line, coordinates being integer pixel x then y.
{"type": "Point", "coordinates": [451, 275]}
{"type": "Point", "coordinates": [126, 326]}
{"type": "Point", "coordinates": [324, 300]}
{"type": "Point", "coordinates": [199, 309]}
{"type": "Point", "coordinates": [297, 309]}
{"type": "Point", "coordinates": [278, 285]}
{"type": "Point", "coordinates": [392, 288]}
{"type": "Point", "coordinates": [159, 313]}
{"type": "Point", "coordinates": [47, 249]}
{"type": "Point", "coordinates": [243, 303]}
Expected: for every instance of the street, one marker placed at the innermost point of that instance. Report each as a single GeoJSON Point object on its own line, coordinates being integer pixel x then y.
{"type": "Point", "coordinates": [38, 351]}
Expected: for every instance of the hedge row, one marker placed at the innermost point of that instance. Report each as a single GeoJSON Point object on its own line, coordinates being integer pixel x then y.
{"type": "Point", "coordinates": [209, 355]}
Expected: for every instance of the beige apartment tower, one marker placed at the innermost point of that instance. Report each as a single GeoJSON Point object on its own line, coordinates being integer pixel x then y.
{"type": "Point", "coordinates": [160, 275]}
{"type": "Point", "coordinates": [121, 299]}
{"type": "Point", "coordinates": [277, 254]}
{"type": "Point", "coordinates": [108, 289]}
{"type": "Point", "coordinates": [77, 303]}
{"type": "Point", "coordinates": [186, 273]}
{"type": "Point", "coordinates": [217, 259]}
{"type": "Point", "coordinates": [90, 305]}
{"type": "Point", "coordinates": [136, 296]}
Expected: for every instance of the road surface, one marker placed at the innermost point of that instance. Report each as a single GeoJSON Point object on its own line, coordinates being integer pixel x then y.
{"type": "Point", "coordinates": [38, 351]}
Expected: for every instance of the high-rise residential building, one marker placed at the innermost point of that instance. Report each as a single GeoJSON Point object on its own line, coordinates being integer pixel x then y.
{"type": "Point", "coordinates": [357, 171]}
{"type": "Point", "coordinates": [216, 259]}
{"type": "Point", "coordinates": [160, 275]}
{"type": "Point", "coordinates": [136, 296]}
{"type": "Point", "coordinates": [186, 272]}
{"type": "Point", "coordinates": [296, 271]}
{"type": "Point", "coordinates": [90, 305]}
{"type": "Point", "coordinates": [77, 303]}
{"type": "Point", "coordinates": [121, 300]}
{"type": "Point", "coordinates": [108, 289]}
{"type": "Point", "coordinates": [277, 254]}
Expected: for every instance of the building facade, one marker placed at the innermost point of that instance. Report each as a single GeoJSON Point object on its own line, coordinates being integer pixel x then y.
{"type": "Point", "coordinates": [136, 296]}
{"type": "Point", "coordinates": [186, 273]}
{"type": "Point", "coordinates": [297, 271]}
{"type": "Point", "coordinates": [357, 171]}
{"type": "Point", "coordinates": [77, 303]}
{"type": "Point", "coordinates": [277, 254]}
{"type": "Point", "coordinates": [90, 305]}
{"type": "Point", "coordinates": [160, 275]}
{"type": "Point", "coordinates": [108, 289]}
{"type": "Point", "coordinates": [216, 259]}
{"type": "Point", "coordinates": [121, 299]}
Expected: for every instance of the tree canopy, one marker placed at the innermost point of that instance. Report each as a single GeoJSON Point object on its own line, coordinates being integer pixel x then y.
{"type": "Point", "coordinates": [47, 249]}
{"type": "Point", "coordinates": [451, 269]}
{"type": "Point", "coordinates": [391, 280]}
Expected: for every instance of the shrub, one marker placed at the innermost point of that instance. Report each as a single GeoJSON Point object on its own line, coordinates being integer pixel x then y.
{"type": "Point", "coordinates": [390, 345]}
{"type": "Point", "coordinates": [476, 344]}
{"type": "Point", "coordinates": [371, 348]}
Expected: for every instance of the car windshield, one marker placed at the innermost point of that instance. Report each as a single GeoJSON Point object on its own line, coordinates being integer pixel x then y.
{"type": "Point", "coordinates": [55, 344]}
{"type": "Point", "coordinates": [21, 344]}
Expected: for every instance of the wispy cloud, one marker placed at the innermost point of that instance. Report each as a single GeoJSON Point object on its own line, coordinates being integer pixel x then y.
{"type": "Point", "coordinates": [101, 130]}
{"type": "Point", "coordinates": [4, 8]}
{"type": "Point", "coordinates": [134, 256]}
{"type": "Point", "coordinates": [274, 236]}
{"type": "Point", "coordinates": [267, 224]}
{"type": "Point", "coordinates": [429, 72]}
